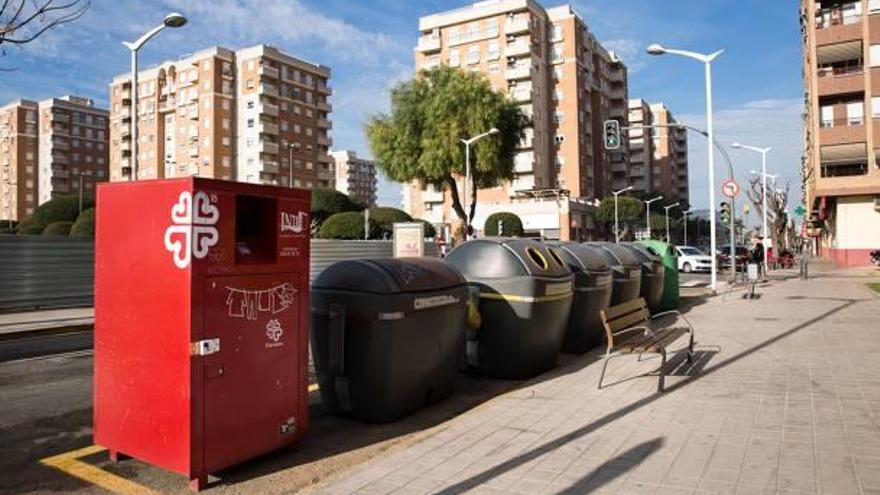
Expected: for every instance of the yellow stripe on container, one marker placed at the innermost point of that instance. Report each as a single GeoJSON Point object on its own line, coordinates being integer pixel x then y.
{"type": "Point", "coordinates": [528, 299]}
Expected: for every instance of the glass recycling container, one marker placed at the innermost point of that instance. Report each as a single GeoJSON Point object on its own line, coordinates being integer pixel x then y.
{"type": "Point", "coordinates": [627, 270]}
{"type": "Point", "coordinates": [201, 318]}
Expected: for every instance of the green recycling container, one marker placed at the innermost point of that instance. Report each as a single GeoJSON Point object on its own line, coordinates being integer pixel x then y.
{"type": "Point", "coordinates": [670, 299]}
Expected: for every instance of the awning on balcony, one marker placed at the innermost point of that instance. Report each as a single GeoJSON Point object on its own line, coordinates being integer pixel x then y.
{"type": "Point", "coordinates": [844, 153]}
{"type": "Point", "coordinates": [839, 52]}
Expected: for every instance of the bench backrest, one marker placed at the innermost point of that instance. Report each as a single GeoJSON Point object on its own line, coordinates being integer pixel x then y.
{"type": "Point", "coordinates": [623, 316]}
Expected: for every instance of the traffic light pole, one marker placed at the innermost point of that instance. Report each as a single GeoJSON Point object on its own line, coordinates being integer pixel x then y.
{"type": "Point", "coordinates": [711, 200]}
{"type": "Point", "coordinates": [733, 239]}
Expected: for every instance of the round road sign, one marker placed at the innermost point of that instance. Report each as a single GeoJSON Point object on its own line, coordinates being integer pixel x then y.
{"type": "Point", "coordinates": [730, 188]}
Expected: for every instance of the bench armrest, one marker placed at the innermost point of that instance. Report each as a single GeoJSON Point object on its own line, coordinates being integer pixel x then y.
{"type": "Point", "coordinates": [630, 329]}
{"type": "Point", "coordinates": [676, 313]}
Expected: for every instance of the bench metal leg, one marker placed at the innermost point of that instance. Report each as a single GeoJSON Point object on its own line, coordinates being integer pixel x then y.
{"type": "Point", "coordinates": [661, 383]}
{"type": "Point", "coordinates": [604, 367]}
{"type": "Point", "coordinates": [690, 358]}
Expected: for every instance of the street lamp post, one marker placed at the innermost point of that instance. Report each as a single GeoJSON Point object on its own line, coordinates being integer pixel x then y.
{"type": "Point", "coordinates": [172, 20]}
{"type": "Point", "coordinates": [467, 176]}
{"type": "Point", "coordinates": [667, 208]}
{"type": "Point", "coordinates": [616, 228]}
{"type": "Point", "coordinates": [684, 216]}
{"type": "Point", "coordinates": [648, 212]}
{"type": "Point", "coordinates": [763, 152]}
{"type": "Point", "coordinates": [291, 147]}
{"type": "Point", "coordinates": [656, 49]}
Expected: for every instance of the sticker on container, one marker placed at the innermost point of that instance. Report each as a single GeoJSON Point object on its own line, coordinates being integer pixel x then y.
{"type": "Point", "coordinates": [603, 280]}
{"type": "Point", "coordinates": [557, 289]}
{"type": "Point", "coordinates": [192, 231]}
{"type": "Point", "coordinates": [293, 223]}
{"type": "Point", "coordinates": [274, 332]}
{"type": "Point", "coordinates": [434, 301]}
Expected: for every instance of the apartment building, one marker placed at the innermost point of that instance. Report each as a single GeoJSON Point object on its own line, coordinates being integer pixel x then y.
{"type": "Point", "coordinates": [658, 157]}
{"type": "Point", "coordinates": [355, 176]}
{"type": "Point", "coordinates": [549, 62]}
{"type": "Point", "coordinates": [58, 146]}
{"type": "Point", "coordinates": [841, 162]}
{"type": "Point", "coordinates": [254, 115]}
{"type": "Point", "coordinates": [18, 159]}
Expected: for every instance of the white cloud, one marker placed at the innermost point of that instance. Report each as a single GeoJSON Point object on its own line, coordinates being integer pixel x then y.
{"type": "Point", "coordinates": [631, 51]}
{"type": "Point", "coordinates": [773, 122]}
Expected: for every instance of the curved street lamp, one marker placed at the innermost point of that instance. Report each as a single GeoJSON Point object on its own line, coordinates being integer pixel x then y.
{"type": "Point", "coordinates": [667, 208]}
{"type": "Point", "coordinates": [172, 20]}
{"type": "Point", "coordinates": [616, 228]}
{"type": "Point", "coordinates": [467, 175]}
{"type": "Point", "coordinates": [648, 212]}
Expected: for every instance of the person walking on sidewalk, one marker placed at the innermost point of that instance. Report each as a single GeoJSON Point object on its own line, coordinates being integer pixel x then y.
{"type": "Point", "coordinates": [758, 256]}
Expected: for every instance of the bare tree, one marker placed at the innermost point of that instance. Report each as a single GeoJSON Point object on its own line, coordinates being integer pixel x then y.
{"type": "Point", "coordinates": [23, 21]}
{"type": "Point", "coordinates": [777, 202]}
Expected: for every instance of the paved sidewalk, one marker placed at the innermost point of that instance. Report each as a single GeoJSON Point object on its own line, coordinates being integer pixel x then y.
{"type": "Point", "coordinates": [15, 325]}
{"type": "Point", "coordinates": [783, 398]}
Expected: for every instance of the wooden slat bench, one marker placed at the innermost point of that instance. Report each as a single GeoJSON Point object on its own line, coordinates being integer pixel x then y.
{"type": "Point", "coordinates": [631, 329]}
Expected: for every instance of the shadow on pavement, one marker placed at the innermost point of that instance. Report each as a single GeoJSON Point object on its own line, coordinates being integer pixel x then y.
{"type": "Point", "coordinates": [614, 468]}
{"type": "Point", "coordinates": [552, 445]}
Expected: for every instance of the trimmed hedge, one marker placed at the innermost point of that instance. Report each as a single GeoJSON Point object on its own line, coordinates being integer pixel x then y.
{"type": "Point", "coordinates": [58, 228]}
{"type": "Point", "coordinates": [84, 225]}
{"type": "Point", "coordinates": [430, 231]}
{"type": "Point", "coordinates": [327, 202]}
{"type": "Point", "coordinates": [511, 225]}
{"type": "Point", "coordinates": [58, 209]}
{"type": "Point", "coordinates": [384, 218]}
{"type": "Point", "coordinates": [347, 225]}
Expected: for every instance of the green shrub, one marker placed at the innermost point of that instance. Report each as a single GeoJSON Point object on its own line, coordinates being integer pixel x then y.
{"type": "Point", "coordinates": [28, 229]}
{"type": "Point", "coordinates": [346, 225]}
{"type": "Point", "coordinates": [58, 209]}
{"type": "Point", "coordinates": [430, 231]}
{"type": "Point", "coordinates": [84, 225]}
{"type": "Point", "coordinates": [384, 218]}
{"type": "Point", "coordinates": [511, 225]}
{"type": "Point", "coordinates": [58, 228]}
{"type": "Point", "coordinates": [327, 202]}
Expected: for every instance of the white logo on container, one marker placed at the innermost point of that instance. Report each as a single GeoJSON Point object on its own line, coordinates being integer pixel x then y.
{"type": "Point", "coordinates": [192, 231]}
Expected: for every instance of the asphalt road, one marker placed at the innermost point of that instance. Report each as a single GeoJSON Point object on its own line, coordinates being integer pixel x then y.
{"type": "Point", "coordinates": [11, 350]}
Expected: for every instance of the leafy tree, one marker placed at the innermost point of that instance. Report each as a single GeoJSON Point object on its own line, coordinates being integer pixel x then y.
{"type": "Point", "coordinates": [346, 225]}
{"type": "Point", "coordinates": [326, 202]}
{"type": "Point", "coordinates": [421, 138]}
{"type": "Point", "coordinates": [84, 225]}
{"type": "Point", "coordinates": [511, 225]}
{"type": "Point", "coordinates": [629, 212]}
{"type": "Point", "coordinates": [58, 228]}
{"type": "Point", "coordinates": [57, 209]}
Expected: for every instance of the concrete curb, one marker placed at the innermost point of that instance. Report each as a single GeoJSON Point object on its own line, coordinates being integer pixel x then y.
{"type": "Point", "coordinates": [46, 332]}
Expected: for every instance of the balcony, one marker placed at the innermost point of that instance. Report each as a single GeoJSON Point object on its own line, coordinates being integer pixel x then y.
{"type": "Point", "coordinates": [323, 88]}
{"type": "Point", "coordinates": [269, 90]}
{"type": "Point", "coordinates": [517, 25]}
{"type": "Point", "coordinates": [267, 128]}
{"type": "Point", "coordinates": [59, 117]}
{"type": "Point", "coordinates": [323, 105]}
{"type": "Point", "coordinates": [60, 173]}
{"type": "Point", "coordinates": [519, 71]}
{"type": "Point", "coordinates": [324, 141]}
{"type": "Point", "coordinates": [527, 141]}
{"type": "Point", "coordinates": [841, 131]}
{"type": "Point", "coordinates": [268, 72]}
{"type": "Point", "coordinates": [325, 158]}
{"type": "Point", "coordinates": [428, 43]}
{"type": "Point", "coordinates": [268, 109]}
{"type": "Point", "coordinates": [193, 150]}
{"type": "Point", "coordinates": [58, 158]}
{"type": "Point", "coordinates": [269, 166]}
{"type": "Point", "coordinates": [193, 111]}
{"type": "Point", "coordinates": [837, 24]}
{"type": "Point", "coordinates": [125, 146]}
{"type": "Point", "coordinates": [518, 49]}
{"type": "Point", "coordinates": [520, 95]}
{"type": "Point", "coordinates": [268, 147]}
{"type": "Point", "coordinates": [841, 80]}
{"type": "Point", "coordinates": [324, 124]}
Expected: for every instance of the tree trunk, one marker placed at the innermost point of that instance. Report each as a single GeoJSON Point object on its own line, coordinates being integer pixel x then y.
{"type": "Point", "coordinates": [473, 205]}
{"type": "Point", "coordinates": [456, 201]}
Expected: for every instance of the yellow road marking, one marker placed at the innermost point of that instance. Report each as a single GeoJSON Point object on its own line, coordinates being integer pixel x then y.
{"type": "Point", "coordinates": [70, 463]}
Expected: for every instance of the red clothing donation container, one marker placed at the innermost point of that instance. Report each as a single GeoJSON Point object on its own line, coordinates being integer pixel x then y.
{"type": "Point", "coordinates": [201, 310]}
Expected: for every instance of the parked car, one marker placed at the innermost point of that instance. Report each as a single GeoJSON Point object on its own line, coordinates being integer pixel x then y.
{"type": "Point", "coordinates": [743, 256]}
{"type": "Point", "coordinates": [691, 259]}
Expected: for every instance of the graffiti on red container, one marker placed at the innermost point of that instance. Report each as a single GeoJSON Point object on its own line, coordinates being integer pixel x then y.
{"type": "Point", "coordinates": [250, 303]}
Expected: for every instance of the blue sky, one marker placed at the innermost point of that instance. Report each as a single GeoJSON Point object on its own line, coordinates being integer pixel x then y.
{"type": "Point", "coordinates": [368, 44]}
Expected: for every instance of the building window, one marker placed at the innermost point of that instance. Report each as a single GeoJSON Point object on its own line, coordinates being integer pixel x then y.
{"type": "Point", "coordinates": [827, 116]}
{"type": "Point", "coordinates": [249, 84]}
{"type": "Point", "coordinates": [453, 57]}
{"type": "Point", "coordinates": [226, 104]}
{"type": "Point", "coordinates": [474, 55]}
{"type": "Point", "coordinates": [250, 123]}
{"type": "Point", "coordinates": [559, 138]}
{"type": "Point", "coordinates": [855, 113]}
{"type": "Point", "coordinates": [250, 104]}
{"type": "Point", "coordinates": [494, 51]}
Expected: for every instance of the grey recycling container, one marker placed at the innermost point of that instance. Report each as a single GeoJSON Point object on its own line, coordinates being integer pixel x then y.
{"type": "Point", "coordinates": [592, 294]}
{"type": "Point", "coordinates": [387, 335]}
{"type": "Point", "coordinates": [627, 270]}
{"type": "Point", "coordinates": [525, 295]}
{"type": "Point", "coordinates": [653, 275]}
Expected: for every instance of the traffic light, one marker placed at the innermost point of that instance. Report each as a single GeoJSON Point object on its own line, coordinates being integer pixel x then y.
{"type": "Point", "coordinates": [746, 209]}
{"type": "Point", "coordinates": [612, 135]}
{"type": "Point", "coordinates": [725, 212]}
